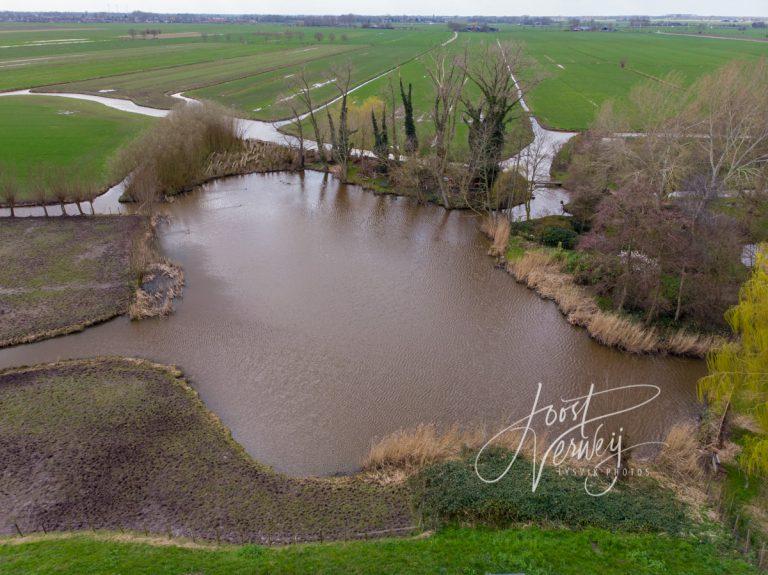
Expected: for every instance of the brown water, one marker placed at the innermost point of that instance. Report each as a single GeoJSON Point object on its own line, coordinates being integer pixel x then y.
{"type": "Point", "coordinates": [317, 317]}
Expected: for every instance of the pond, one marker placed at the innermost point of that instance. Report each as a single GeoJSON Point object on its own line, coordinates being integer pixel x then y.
{"type": "Point", "coordinates": [317, 317]}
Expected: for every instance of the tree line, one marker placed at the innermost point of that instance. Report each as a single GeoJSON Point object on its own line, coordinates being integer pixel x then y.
{"type": "Point", "coordinates": [478, 91]}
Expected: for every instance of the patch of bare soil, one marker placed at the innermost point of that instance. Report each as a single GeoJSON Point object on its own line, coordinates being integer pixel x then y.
{"type": "Point", "coordinates": [60, 275]}
{"type": "Point", "coordinates": [116, 443]}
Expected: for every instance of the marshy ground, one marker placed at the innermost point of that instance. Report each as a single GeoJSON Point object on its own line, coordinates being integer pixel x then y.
{"type": "Point", "coordinates": [115, 443]}
{"type": "Point", "coordinates": [59, 275]}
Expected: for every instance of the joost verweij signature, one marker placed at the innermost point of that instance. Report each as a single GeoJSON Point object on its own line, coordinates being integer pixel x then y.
{"type": "Point", "coordinates": [574, 443]}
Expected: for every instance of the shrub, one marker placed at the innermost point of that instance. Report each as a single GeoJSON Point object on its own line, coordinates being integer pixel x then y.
{"type": "Point", "coordinates": [173, 156]}
{"type": "Point", "coordinates": [451, 491]}
{"type": "Point", "coordinates": [556, 236]}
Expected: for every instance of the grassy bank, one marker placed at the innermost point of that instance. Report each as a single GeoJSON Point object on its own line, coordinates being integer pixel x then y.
{"type": "Point", "coordinates": [60, 275]}
{"type": "Point", "coordinates": [533, 550]}
{"type": "Point", "coordinates": [49, 141]}
{"type": "Point", "coordinates": [123, 444]}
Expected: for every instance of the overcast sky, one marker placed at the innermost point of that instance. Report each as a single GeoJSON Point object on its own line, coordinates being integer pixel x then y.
{"type": "Point", "coordinates": [425, 7]}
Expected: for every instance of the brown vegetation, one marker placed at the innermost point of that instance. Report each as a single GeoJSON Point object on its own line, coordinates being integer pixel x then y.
{"type": "Point", "coordinates": [408, 451]}
{"type": "Point", "coordinates": [663, 245]}
{"type": "Point", "coordinates": [173, 156]}
{"type": "Point", "coordinates": [159, 280]}
{"type": "Point", "coordinates": [497, 228]}
{"type": "Point", "coordinates": [540, 271]}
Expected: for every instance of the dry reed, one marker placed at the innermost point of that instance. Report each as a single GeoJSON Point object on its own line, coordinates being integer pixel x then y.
{"type": "Point", "coordinates": [150, 268]}
{"type": "Point", "coordinates": [497, 229]}
{"type": "Point", "coordinates": [681, 456]}
{"type": "Point", "coordinates": [540, 271]}
{"type": "Point", "coordinates": [407, 451]}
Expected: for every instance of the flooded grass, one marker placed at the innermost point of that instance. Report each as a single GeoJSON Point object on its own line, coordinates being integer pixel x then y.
{"type": "Point", "coordinates": [60, 275]}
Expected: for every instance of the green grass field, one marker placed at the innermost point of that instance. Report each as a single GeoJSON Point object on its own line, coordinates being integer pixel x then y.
{"type": "Point", "coordinates": [250, 67]}
{"type": "Point", "coordinates": [244, 66]}
{"type": "Point", "coordinates": [60, 139]}
{"type": "Point", "coordinates": [584, 68]}
{"type": "Point", "coordinates": [532, 551]}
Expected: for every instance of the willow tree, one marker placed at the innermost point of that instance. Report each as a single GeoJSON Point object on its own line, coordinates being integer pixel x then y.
{"type": "Point", "coordinates": [738, 372]}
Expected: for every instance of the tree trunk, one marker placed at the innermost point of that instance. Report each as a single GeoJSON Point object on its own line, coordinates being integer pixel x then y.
{"type": "Point", "coordinates": [680, 296]}
{"type": "Point", "coordinates": [625, 286]}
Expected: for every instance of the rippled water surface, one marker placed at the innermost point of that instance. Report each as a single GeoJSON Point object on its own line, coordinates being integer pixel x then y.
{"type": "Point", "coordinates": [317, 317]}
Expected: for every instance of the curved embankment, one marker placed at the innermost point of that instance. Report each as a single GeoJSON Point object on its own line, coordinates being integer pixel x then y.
{"type": "Point", "coordinates": [117, 443]}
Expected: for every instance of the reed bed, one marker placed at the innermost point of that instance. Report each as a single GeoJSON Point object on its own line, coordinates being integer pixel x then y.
{"type": "Point", "coordinates": [497, 228]}
{"type": "Point", "coordinates": [540, 271]}
{"type": "Point", "coordinates": [408, 451]}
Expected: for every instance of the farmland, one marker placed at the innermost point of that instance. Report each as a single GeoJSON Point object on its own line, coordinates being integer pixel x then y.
{"type": "Point", "coordinates": [46, 137]}
{"type": "Point", "coordinates": [584, 69]}
{"type": "Point", "coordinates": [250, 68]}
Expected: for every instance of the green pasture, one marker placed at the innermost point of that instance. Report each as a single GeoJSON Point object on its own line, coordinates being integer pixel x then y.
{"type": "Point", "coordinates": [252, 68]}
{"type": "Point", "coordinates": [154, 87]}
{"type": "Point", "coordinates": [533, 551]}
{"type": "Point", "coordinates": [584, 69]}
{"type": "Point", "coordinates": [54, 138]}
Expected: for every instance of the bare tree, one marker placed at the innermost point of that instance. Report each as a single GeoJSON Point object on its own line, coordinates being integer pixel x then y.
{"type": "Point", "coordinates": [487, 119]}
{"type": "Point", "coordinates": [145, 189]}
{"type": "Point", "coordinates": [298, 124]}
{"type": "Point", "coordinates": [9, 191]}
{"type": "Point", "coordinates": [660, 156]}
{"type": "Point", "coordinates": [40, 192]}
{"type": "Point", "coordinates": [728, 121]}
{"type": "Point", "coordinates": [341, 143]}
{"type": "Point", "coordinates": [529, 163]}
{"type": "Point", "coordinates": [448, 83]}
{"type": "Point", "coordinates": [61, 195]}
{"type": "Point", "coordinates": [304, 94]}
